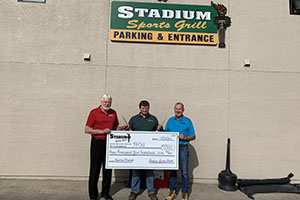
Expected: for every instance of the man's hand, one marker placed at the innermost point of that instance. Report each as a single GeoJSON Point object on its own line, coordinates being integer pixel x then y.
{"type": "Point", "coordinates": [90, 130]}
{"type": "Point", "coordinates": [186, 138]}
{"type": "Point", "coordinates": [160, 127]}
{"type": "Point", "coordinates": [106, 131]}
{"type": "Point", "coordinates": [181, 136]}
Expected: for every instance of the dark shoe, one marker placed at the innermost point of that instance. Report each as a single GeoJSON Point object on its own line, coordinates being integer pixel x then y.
{"type": "Point", "coordinates": [153, 197]}
{"type": "Point", "coordinates": [107, 197]}
{"type": "Point", "coordinates": [132, 196]}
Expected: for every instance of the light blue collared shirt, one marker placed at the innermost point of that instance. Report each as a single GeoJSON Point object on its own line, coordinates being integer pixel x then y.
{"type": "Point", "coordinates": [183, 126]}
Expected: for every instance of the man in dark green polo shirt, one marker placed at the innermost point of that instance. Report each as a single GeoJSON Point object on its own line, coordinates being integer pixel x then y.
{"type": "Point", "coordinates": [143, 121]}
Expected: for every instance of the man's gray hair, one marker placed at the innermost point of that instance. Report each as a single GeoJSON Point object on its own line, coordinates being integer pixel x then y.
{"type": "Point", "coordinates": [106, 96]}
{"type": "Point", "coordinates": [179, 103]}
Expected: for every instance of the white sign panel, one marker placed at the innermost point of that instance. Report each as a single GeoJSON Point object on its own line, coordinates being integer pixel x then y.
{"type": "Point", "coordinates": [142, 150]}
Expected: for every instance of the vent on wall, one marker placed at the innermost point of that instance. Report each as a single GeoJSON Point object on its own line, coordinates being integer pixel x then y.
{"type": "Point", "coordinates": [295, 7]}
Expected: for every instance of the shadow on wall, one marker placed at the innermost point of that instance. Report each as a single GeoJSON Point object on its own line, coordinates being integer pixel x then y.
{"type": "Point", "coordinates": [193, 163]}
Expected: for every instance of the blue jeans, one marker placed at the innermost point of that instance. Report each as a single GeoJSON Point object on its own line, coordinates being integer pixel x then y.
{"type": "Point", "coordinates": [136, 181]}
{"type": "Point", "coordinates": [184, 168]}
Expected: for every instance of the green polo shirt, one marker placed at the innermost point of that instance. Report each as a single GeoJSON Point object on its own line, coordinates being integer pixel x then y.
{"type": "Point", "coordinates": [139, 123]}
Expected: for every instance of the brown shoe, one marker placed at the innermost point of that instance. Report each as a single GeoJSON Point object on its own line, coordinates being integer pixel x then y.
{"type": "Point", "coordinates": [132, 196]}
{"type": "Point", "coordinates": [185, 196]}
{"type": "Point", "coordinates": [153, 197]}
{"type": "Point", "coordinates": [172, 195]}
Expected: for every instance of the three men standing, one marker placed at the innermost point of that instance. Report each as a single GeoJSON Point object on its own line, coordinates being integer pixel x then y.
{"type": "Point", "coordinates": [103, 119]}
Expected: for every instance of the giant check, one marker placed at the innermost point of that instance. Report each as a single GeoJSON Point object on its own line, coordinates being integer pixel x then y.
{"type": "Point", "coordinates": [142, 150]}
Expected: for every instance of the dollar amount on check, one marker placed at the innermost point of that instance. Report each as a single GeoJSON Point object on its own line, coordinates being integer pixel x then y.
{"type": "Point", "coordinates": [142, 150]}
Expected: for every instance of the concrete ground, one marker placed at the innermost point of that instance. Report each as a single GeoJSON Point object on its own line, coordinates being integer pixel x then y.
{"type": "Point", "coordinates": [20, 189]}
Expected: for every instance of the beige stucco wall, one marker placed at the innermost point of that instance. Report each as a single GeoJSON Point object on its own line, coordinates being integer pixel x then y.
{"type": "Point", "coordinates": [47, 89]}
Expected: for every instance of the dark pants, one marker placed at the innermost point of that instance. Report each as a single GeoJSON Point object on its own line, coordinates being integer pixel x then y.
{"type": "Point", "coordinates": [97, 159]}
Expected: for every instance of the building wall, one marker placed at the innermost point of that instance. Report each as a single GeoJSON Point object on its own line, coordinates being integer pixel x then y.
{"type": "Point", "coordinates": [47, 89]}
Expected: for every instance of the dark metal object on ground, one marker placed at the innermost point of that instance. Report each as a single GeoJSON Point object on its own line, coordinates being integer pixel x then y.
{"type": "Point", "coordinates": [271, 188]}
{"type": "Point", "coordinates": [248, 182]}
{"type": "Point", "coordinates": [227, 179]}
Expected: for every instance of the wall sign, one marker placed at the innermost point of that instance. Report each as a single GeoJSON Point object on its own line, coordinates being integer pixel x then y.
{"type": "Point", "coordinates": [163, 23]}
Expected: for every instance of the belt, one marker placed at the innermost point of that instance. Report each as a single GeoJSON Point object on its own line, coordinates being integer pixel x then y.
{"type": "Point", "coordinates": [182, 145]}
{"type": "Point", "coordinates": [97, 139]}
